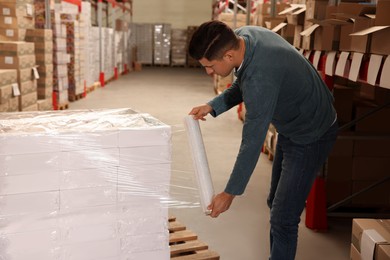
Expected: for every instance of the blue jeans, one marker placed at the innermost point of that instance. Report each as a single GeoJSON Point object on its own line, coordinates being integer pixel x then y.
{"type": "Point", "coordinates": [295, 168]}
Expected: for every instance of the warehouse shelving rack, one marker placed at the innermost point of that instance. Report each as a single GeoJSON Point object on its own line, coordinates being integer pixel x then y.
{"type": "Point", "coordinates": [325, 62]}
{"type": "Point", "coordinates": [126, 10]}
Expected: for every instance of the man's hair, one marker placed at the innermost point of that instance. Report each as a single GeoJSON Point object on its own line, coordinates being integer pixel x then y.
{"type": "Point", "coordinates": [211, 40]}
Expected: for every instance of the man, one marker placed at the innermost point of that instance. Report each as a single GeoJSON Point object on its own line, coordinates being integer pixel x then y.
{"type": "Point", "coordinates": [278, 85]}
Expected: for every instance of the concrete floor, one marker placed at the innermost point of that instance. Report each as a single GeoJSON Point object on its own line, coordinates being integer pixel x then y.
{"type": "Point", "coordinates": [242, 232]}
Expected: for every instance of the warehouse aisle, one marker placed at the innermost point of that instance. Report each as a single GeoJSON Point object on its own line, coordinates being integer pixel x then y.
{"type": "Point", "coordinates": [241, 233]}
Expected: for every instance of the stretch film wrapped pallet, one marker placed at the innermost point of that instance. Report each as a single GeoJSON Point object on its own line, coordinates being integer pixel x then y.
{"type": "Point", "coordinates": [84, 185]}
{"type": "Point", "coordinates": [162, 44]}
{"type": "Point", "coordinates": [179, 52]}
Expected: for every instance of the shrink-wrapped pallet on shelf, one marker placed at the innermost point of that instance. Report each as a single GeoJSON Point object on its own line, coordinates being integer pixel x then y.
{"type": "Point", "coordinates": [84, 184]}
{"type": "Point", "coordinates": [179, 39]}
{"type": "Point", "coordinates": [162, 44]}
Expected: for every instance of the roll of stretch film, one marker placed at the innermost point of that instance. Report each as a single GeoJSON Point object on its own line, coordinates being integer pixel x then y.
{"type": "Point", "coordinates": [199, 159]}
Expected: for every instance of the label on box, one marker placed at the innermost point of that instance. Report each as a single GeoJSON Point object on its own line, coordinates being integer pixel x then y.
{"type": "Point", "coordinates": [330, 59]}
{"type": "Point", "coordinates": [36, 74]}
{"type": "Point", "coordinates": [9, 33]}
{"type": "Point", "coordinates": [29, 9]}
{"type": "Point", "coordinates": [6, 11]}
{"type": "Point", "coordinates": [8, 20]}
{"type": "Point", "coordinates": [15, 89]}
{"type": "Point", "coordinates": [9, 60]}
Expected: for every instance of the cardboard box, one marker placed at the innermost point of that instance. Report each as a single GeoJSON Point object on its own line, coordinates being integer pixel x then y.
{"type": "Point", "coordinates": [295, 14]}
{"type": "Point", "coordinates": [13, 104]}
{"type": "Point", "coordinates": [340, 168]}
{"type": "Point", "coordinates": [45, 104]}
{"type": "Point", "coordinates": [345, 37]}
{"type": "Point", "coordinates": [383, 252]}
{"type": "Point", "coordinates": [27, 100]}
{"type": "Point", "coordinates": [343, 147]}
{"type": "Point", "coordinates": [17, 62]}
{"type": "Point", "coordinates": [12, 34]}
{"type": "Point", "coordinates": [46, 71]}
{"type": "Point", "coordinates": [377, 33]}
{"type": "Point", "coordinates": [45, 82]}
{"type": "Point", "coordinates": [44, 92]}
{"type": "Point", "coordinates": [44, 47]}
{"type": "Point", "coordinates": [5, 94]}
{"type": "Point", "coordinates": [28, 87]}
{"type": "Point", "coordinates": [353, 10]}
{"type": "Point", "coordinates": [289, 32]}
{"type": "Point", "coordinates": [25, 75]}
{"type": "Point", "coordinates": [33, 107]}
{"type": "Point", "coordinates": [376, 123]}
{"type": "Point", "coordinates": [21, 9]}
{"type": "Point", "coordinates": [371, 148]}
{"type": "Point", "coordinates": [39, 35]}
{"type": "Point", "coordinates": [4, 107]}
{"type": "Point", "coordinates": [16, 48]}
{"type": "Point", "coordinates": [326, 34]}
{"type": "Point", "coordinates": [8, 77]}
{"type": "Point", "coordinates": [43, 59]}
{"type": "Point", "coordinates": [359, 226]}
{"type": "Point", "coordinates": [361, 42]}
{"type": "Point", "coordinates": [337, 191]}
{"type": "Point", "coordinates": [382, 13]}
{"type": "Point", "coordinates": [370, 168]}
{"type": "Point", "coordinates": [8, 22]}
{"type": "Point", "coordinates": [380, 40]}
{"type": "Point", "coordinates": [316, 10]}
{"type": "Point", "coordinates": [343, 102]}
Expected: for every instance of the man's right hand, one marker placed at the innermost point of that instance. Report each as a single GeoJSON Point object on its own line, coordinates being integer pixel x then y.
{"type": "Point", "coordinates": [200, 112]}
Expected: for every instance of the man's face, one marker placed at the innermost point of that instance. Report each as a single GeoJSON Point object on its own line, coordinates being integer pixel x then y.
{"type": "Point", "coordinates": [221, 67]}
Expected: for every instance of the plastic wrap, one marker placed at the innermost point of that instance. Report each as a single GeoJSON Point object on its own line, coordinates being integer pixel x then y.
{"type": "Point", "coordinates": [199, 158]}
{"type": "Point", "coordinates": [84, 184]}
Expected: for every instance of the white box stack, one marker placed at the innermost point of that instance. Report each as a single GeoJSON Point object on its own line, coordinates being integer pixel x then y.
{"type": "Point", "coordinates": [144, 43]}
{"type": "Point", "coordinates": [85, 32]}
{"type": "Point", "coordinates": [94, 55]}
{"type": "Point", "coordinates": [88, 185]}
{"type": "Point", "coordinates": [162, 44]}
{"type": "Point", "coordinates": [108, 52]}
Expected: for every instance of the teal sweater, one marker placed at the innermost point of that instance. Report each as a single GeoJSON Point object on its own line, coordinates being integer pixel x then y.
{"type": "Point", "coordinates": [279, 86]}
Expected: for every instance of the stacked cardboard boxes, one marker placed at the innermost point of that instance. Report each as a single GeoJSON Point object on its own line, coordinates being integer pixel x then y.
{"type": "Point", "coordinates": [263, 15]}
{"type": "Point", "coordinates": [360, 156]}
{"type": "Point", "coordinates": [43, 42]}
{"type": "Point", "coordinates": [21, 56]}
{"type": "Point", "coordinates": [191, 62]}
{"type": "Point", "coordinates": [93, 58]}
{"type": "Point", "coordinates": [60, 58]}
{"type": "Point", "coordinates": [95, 185]}
{"type": "Point", "coordinates": [108, 53]}
{"type": "Point", "coordinates": [15, 17]}
{"type": "Point", "coordinates": [8, 83]}
{"type": "Point", "coordinates": [144, 36]}
{"type": "Point", "coordinates": [85, 45]}
{"type": "Point", "coordinates": [290, 23]}
{"type": "Point", "coordinates": [370, 239]}
{"type": "Point", "coordinates": [372, 35]}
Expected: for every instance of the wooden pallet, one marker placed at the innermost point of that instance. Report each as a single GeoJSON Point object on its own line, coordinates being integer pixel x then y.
{"type": "Point", "coordinates": [94, 86]}
{"type": "Point", "coordinates": [185, 245]}
{"type": "Point", "coordinates": [76, 97]}
{"type": "Point", "coordinates": [268, 152]}
{"type": "Point", "coordinates": [63, 106]}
